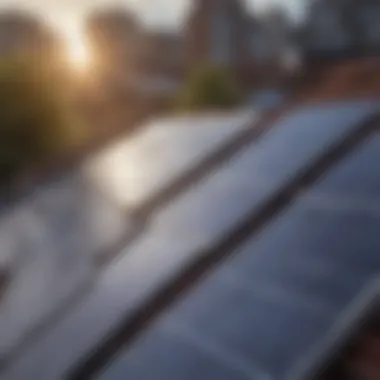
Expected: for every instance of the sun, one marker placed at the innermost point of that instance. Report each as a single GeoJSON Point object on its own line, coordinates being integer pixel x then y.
{"type": "Point", "coordinates": [77, 49]}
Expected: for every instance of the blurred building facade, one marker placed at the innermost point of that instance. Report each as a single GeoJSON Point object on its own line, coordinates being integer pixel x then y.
{"type": "Point", "coordinates": [218, 32]}
{"type": "Point", "coordinates": [224, 33]}
{"type": "Point", "coordinates": [273, 46]}
{"type": "Point", "coordinates": [340, 28]}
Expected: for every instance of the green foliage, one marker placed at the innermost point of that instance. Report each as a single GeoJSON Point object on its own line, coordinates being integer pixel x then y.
{"type": "Point", "coordinates": [36, 122]}
{"type": "Point", "coordinates": [210, 88]}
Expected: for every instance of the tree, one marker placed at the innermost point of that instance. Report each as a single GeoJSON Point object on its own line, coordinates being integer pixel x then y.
{"type": "Point", "coordinates": [210, 87]}
{"type": "Point", "coordinates": [36, 122]}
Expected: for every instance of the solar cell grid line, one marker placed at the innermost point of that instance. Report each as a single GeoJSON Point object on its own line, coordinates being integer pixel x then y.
{"type": "Point", "coordinates": [250, 369]}
{"type": "Point", "coordinates": [125, 334]}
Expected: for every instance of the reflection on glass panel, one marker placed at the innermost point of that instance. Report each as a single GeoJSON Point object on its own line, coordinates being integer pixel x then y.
{"type": "Point", "coordinates": [138, 167]}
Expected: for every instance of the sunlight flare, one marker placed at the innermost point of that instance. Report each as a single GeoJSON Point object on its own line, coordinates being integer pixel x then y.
{"type": "Point", "coordinates": [77, 49]}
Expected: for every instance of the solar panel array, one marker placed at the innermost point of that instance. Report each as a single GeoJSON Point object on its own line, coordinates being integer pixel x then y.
{"type": "Point", "coordinates": [261, 310]}
{"type": "Point", "coordinates": [287, 277]}
{"type": "Point", "coordinates": [53, 239]}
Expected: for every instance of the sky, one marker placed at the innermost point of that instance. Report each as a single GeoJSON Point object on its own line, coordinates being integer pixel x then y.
{"type": "Point", "coordinates": [67, 14]}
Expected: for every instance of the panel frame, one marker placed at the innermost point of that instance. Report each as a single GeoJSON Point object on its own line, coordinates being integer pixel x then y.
{"type": "Point", "coordinates": [348, 325]}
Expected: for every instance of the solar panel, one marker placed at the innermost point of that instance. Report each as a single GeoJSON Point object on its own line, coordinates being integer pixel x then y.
{"type": "Point", "coordinates": [136, 168]}
{"type": "Point", "coordinates": [274, 300]}
{"type": "Point", "coordinates": [188, 226]}
{"type": "Point", "coordinates": [51, 241]}
{"type": "Point", "coordinates": [297, 275]}
{"type": "Point", "coordinates": [290, 283]}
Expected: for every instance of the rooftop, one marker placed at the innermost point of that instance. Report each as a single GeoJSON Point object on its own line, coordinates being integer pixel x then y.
{"type": "Point", "coordinates": [239, 273]}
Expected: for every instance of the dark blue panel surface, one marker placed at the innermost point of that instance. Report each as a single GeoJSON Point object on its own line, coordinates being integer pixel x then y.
{"type": "Point", "coordinates": [299, 275]}
{"type": "Point", "coordinates": [358, 176]}
{"type": "Point", "coordinates": [280, 294]}
{"type": "Point", "coordinates": [300, 137]}
{"type": "Point", "coordinates": [168, 356]}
